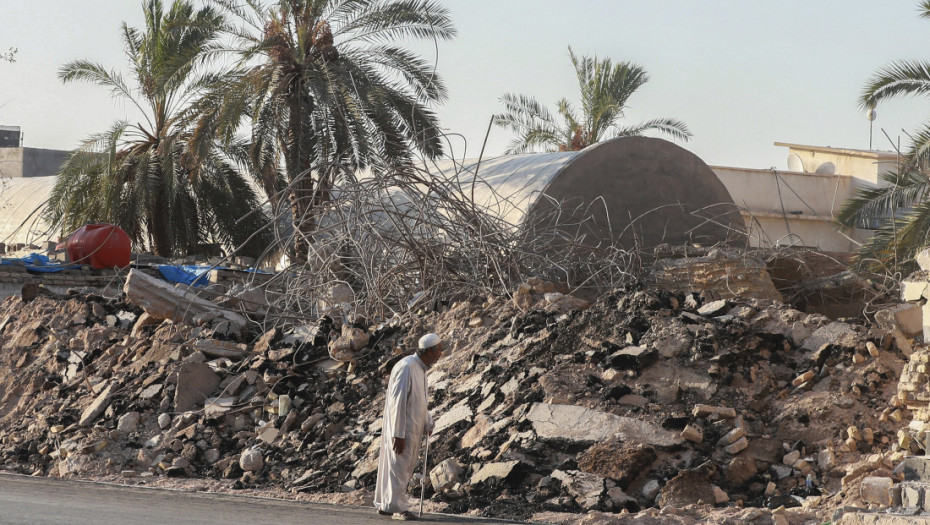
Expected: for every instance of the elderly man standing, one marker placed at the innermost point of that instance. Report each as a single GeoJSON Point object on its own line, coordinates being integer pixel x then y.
{"type": "Point", "coordinates": [406, 419]}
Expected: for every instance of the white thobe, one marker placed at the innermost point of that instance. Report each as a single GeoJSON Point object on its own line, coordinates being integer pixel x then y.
{"type": "Point", "coordinates": [405, 416]}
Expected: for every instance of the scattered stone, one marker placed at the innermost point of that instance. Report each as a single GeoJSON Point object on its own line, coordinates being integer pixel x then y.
{"type": "Point", "coordinates": [251, 460]}
{"type": "Point", "coordinates": [493, 470]}
{"type": "Point", "coordinates": [731, 437]}
{"type": "Point", "coordinates": [875, 489]}
{"type": "Point", "coordinates": [707, 410]}
{"type": "Point", "coordinates": [96, 408]}
{"type": "Point", "coordinates": [693, 433]}
{"type": "Point", "coordinates": [128, 423]}
{"type": "Point", "coordinates": [713, 308]}
{"type": "Point", "coordinates": [445, 475]}
{"type": "Point", "coordinates": [196, 381]}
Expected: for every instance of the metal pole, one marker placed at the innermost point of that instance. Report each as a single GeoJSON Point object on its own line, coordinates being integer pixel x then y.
{"type": "Point", "coordinates": [423, 479]}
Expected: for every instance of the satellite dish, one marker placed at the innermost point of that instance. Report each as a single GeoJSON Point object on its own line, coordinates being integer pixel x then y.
{"type": "Point", "coordinates": [795, 163]}
{"type": "Point", "coordinates": [827, 168]}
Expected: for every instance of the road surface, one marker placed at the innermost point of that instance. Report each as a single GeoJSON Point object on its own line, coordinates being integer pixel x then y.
{"type": "Point", "coordinates": [40, 501]}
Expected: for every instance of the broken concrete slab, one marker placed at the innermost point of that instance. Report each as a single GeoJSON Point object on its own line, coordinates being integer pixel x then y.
{"type": "Point", "coordinates": [163, 301]}
{"type": "Point", "coordinates": [713, 308]}
{"type": "Point", "coordinates": [494, 470]}
{"type": "Point", "coordinates": [835, 333]}
{"type": "Point", "coordinates": [217, 406]}
{"type": "Point", "coordinates": [96, 408]}
{"type": "Point", "coordinates": [477, 432]}
{"type": "Point", "coordinates": [460, 412]}
{"type": "Point", "coordinates": [908, 318]}
{"type": "Point", "coordinates": [576, 423]}
{"type": "Point", "coordinates": [196, 381]}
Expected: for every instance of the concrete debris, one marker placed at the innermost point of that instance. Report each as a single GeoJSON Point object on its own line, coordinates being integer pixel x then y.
{"type": "Point", "coordinates": [500, 470]}
{"type": "Point", "coordinates": [876, 490]}
{"type": "Point", "coordinates": [445, 475]}
{"type": "Point", "coordinates": [195, 382]}
{"type": "Point", "coordinates": [251, 460]}
{"type": "Point", "coordinates": [682, 404]}
{"type": "Point", "coordinates": [97, 406]}
{"type": "Point", "coordinates": [163, 301]}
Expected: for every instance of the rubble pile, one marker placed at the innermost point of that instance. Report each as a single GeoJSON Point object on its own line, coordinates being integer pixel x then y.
{"type": "Point", "coordinates": [654, 404]}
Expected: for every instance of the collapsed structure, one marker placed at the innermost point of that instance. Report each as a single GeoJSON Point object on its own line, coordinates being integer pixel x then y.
{"type": "Point", "coordinates": [719, 402]}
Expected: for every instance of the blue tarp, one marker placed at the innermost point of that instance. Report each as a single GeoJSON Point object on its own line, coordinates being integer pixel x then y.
{"type": "Point", "coordinates": [190, 275]}
{"type": "Point", "coordinates": [36, 262]}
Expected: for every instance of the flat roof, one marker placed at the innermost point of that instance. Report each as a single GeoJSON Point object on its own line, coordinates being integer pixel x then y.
{"type": "Point", "coordinates": [852, 152]}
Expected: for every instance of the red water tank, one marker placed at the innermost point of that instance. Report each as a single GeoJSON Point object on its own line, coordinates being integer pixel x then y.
{"type": "Point", "coordinates": [100, 246]}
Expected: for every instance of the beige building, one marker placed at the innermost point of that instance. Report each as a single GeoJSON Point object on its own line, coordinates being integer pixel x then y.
{"type": "Point", "coordinates": [798, 206]}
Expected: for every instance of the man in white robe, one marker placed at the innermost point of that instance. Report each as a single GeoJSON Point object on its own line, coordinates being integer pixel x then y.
{"type": "Point", "coordinates": [406, 420]}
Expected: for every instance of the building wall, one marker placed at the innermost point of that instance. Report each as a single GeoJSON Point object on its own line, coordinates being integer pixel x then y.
{"type": "Point", "coordinates": [31, 162]}
{"type": "Point", "coordinates": [11, 162]}
{"type": "Point", "coordinates": [792, 208]}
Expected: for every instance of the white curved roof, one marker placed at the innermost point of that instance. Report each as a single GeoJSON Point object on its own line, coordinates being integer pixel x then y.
{"type": "Point", "coordinates": [21, 203]}
{"type": "Point", "coordinates": [506, 186]}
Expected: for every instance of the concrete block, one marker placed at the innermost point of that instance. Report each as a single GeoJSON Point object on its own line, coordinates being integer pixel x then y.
{"type": "Point", "coordinates": [791, 458]}
{"type": "Point", "coordinates": [908, 318]}
{"type": "Point", "coordinates": [923, 259]}
{"type": "Point", "coordinates": [913, 290]}
{"type": "Point", "coordinates": [693, 433]}
{"type": "Point", "coordinates": [196, 381]}
{"type": "Point", "coordinates": [731, 437]}
{"type": "Point", "coordinates": [707, 410]}
{"type": "Point", "coordinates": [876, 489]}
{"type": "Point", "coordinates": [916, 468]}
{"type": "Point", "coordinates": [911, 496]}
{"type": "Point", "coordinates": [96, 408]}
{"type": "Point", "coordinates": [445, 475]}
{"type": "Point", "coordinates": [738, 446]}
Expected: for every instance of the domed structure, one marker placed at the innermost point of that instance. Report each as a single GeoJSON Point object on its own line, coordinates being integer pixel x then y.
{"type": "Point", "coordinates": [629, 191]}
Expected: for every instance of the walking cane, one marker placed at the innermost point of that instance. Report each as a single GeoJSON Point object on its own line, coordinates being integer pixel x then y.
{"type": "Point", "coordinates": [423, 479]}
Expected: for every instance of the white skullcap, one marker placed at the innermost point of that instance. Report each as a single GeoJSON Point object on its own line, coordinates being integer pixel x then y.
{"type": "Point", "coordinates": [428, 341]}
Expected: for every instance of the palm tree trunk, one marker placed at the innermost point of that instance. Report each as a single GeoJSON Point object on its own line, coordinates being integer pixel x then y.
{"type": "Point", "coordinates": [297, 162]}
{"type": "Point", "coordinates": [158, 226]}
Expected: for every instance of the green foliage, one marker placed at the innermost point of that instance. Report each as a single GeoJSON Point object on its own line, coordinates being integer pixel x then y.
{"type": "Point", "coordinates": [899, 210]}
{"type": "Point", "coordinates": [327, 88]}
{"type": "Point", "coordinates": [146, 177]}
{"type": "Point", "coordinates": [605, 88]}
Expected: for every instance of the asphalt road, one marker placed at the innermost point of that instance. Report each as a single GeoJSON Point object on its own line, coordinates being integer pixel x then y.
{"type": "Point", "coordinates": [38, 501]}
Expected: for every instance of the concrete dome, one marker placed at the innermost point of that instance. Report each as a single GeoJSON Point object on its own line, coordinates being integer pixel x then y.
{"type": "Point", "coordinates": [629, 191]}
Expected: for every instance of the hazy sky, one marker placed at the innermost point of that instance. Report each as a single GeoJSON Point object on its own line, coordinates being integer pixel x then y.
{"type": "Point", "coordinates": [741, 74]}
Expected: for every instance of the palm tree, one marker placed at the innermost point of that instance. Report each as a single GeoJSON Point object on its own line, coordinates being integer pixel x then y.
{"type": "Point", "coordinates": [328, 89]}
{"type": "Point", "coordinates": [145, 177]}
{"type": "Point", "coordinates": [899, 209]}
{"type": "Point", "coordinates": [605, 88]}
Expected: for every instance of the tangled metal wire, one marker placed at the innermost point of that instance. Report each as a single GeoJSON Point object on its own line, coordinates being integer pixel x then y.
{"type": "Point", "coordinates": [390, 243]}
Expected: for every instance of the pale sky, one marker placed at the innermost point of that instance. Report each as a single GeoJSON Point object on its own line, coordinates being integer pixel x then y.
{"type": "Point", "coordinates": [741, 74]}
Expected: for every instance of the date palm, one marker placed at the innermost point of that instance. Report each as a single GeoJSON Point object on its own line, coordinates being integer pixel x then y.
{"type": "Point", "coordinates": [899, 209]}
{"type": "Point", "coordinates": [143, 176]}
{"type": "Point", "coordinates": [605, 88]}
{"type": "Point", "coordinates": [327, 88]}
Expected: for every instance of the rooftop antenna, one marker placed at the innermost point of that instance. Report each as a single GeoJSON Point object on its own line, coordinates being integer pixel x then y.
{"type": "Point", "coordinates": [870, 114]}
